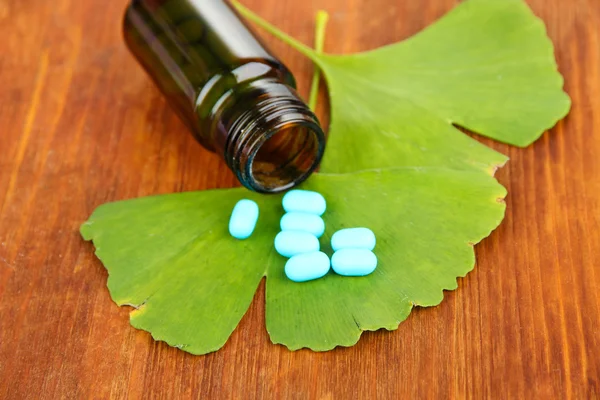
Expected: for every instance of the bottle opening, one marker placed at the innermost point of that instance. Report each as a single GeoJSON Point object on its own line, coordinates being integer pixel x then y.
{"type": "Point", "coordinates": [286, 158]}
{"type": "Point", "coordinates": [270, 138]}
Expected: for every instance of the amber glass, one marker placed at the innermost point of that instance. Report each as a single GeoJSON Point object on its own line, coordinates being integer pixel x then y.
{"type": "Point", "coordinates": [236, 98]}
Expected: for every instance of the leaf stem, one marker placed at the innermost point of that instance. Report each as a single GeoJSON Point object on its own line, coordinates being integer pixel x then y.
{"type": "Point", "coordinates": [320, 26]}
{"type": "Point", "coordinates": [301, 47]}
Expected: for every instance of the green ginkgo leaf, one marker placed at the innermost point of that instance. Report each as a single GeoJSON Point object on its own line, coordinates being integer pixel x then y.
{"type": "Point", "coordinates": [394, 163]}
{"type": "Point", "coordinates": [487, 66]}
{"type": "Point", "coordinates": [172, 257]}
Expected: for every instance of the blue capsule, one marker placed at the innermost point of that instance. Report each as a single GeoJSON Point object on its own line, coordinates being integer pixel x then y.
{"type": "Point", "coordinates": [290, 243]}
{"type": "Point", "coordinates": [355, 238]}
{"type": "Point", "coordinates": [243, 219]}
{"type": "Point", "coordinates": [307, 266]}
{"type": "Point", "coordinates": [297, 221]}
{"type": "Point", "coordinates": [304, 201]}
{"type": "Point", "coordinates": [354, 262]}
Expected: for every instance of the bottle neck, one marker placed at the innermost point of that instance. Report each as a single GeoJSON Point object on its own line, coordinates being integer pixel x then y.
{"type": "Point", "coordinates": [268, 136]}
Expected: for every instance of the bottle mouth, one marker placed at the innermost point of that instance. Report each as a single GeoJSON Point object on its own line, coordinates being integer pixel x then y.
{"type": "Point", "coordinates": [275, 142]}
{"type": "Point", "coordinates": [285, 157]}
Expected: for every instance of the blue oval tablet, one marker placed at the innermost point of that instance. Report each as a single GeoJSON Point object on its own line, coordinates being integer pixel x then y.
{"type": "Point", "coordinates": [297, 221]}
{"type": "Point", "coordinates": [243, 219]}
{"type": "Point", "coordinates": [353, 238]}
{"type": "Point", "coordinates": [290, 243]}
{"type": "Point", "coordinates": [354, 262]}
{"type": "Point", "coordinates": [304, 201]}
{"type": "Point", "coordinates": [307, 266]}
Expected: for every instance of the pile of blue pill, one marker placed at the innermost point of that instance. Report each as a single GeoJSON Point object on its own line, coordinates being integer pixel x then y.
{"type": "Point", "coordinates": [301, 227]}
{"type": "Point", "coordinates": [353, 252]}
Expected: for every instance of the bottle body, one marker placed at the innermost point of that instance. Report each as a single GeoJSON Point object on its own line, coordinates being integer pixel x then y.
{"type": "Point", "coordinates": [236, 98]}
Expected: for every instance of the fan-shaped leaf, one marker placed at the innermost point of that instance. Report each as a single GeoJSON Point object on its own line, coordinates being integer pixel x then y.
{"type": "Point", "coordinates": [394, 163]}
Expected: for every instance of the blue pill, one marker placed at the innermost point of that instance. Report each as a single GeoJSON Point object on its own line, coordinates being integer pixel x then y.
{"type": "Point", "coordinates": [353, 238]}
{"type": "Point", "coordinates": [297, 221]}
{"type": "Point", "coordinates": [304, 201]}
{"type": "Point", "coordinates": [290, 243]}
{"type": "Point", "coordinates": [307, 266]}
{"type": "Point", "coordinates": [243, 219]}
{"type": "Point", "coordinates": [354, 262]}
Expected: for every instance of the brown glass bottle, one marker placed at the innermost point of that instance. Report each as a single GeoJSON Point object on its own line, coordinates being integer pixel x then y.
{"type": "Point", "coordinates": [235, 97]}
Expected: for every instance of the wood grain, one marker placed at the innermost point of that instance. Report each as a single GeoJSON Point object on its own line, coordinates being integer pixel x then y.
{"type": "Point", "coordinates": [81, 124]}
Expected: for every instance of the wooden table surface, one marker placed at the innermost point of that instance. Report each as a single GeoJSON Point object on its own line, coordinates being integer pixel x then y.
{"type": "Point", "coordinates": [80, 124]}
